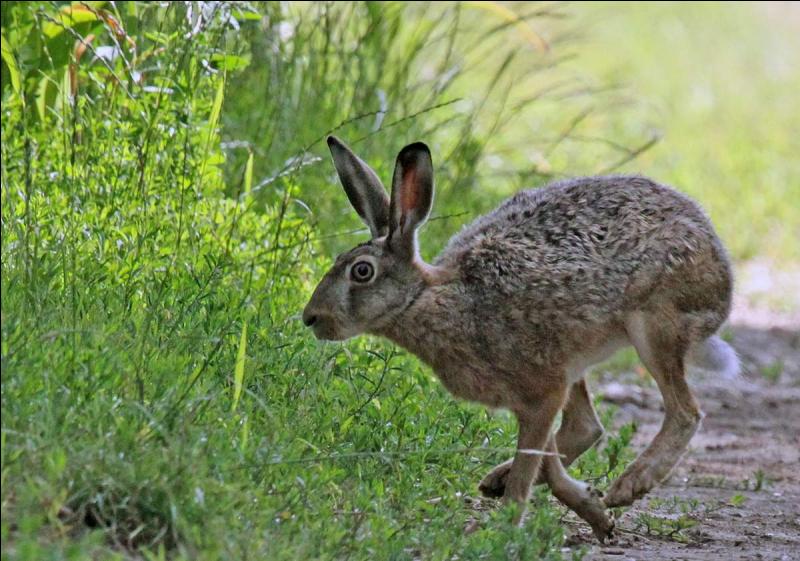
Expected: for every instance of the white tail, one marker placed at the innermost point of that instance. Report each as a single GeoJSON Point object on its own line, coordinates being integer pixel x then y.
{"type": "Point", "coordinates": [715, 355]}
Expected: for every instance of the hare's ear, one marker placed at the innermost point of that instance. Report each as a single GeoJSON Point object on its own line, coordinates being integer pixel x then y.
{"type": "Point", "coordinates": [412, 197]}
{"type": "Point", "coordinates": [363, 188]}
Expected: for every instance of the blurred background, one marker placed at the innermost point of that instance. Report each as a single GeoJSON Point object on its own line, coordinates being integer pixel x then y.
{"type": "Point", "coordinates": [168, 204]}
{"type": "Point", "coordinates": [511, 95]}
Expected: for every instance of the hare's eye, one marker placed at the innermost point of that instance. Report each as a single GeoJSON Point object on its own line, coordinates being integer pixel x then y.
{"type": "Point", "coordinates": [363, 271]}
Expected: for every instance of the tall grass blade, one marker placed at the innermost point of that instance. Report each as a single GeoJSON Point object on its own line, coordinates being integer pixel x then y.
{"type": "Point", "coordinates": [216, 109]}
{"type": "Point", "coordinates": [238, 372]}
{"type": "Point", "coordinates": [524, 27]}
{"type": "Point", "coordinates": [248, 174]}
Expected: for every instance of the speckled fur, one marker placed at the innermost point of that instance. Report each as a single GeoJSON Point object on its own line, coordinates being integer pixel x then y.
{"type": "Point", "coordinates": [525, 298]}
{"type": "Point", "coordinates": [552, 274]}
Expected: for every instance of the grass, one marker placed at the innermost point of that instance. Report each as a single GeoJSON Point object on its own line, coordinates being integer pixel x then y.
{"type": "Point", "coordinates": [167, 205]}
{"type": "Point", "coordinates": [760, 481]}
{"type": "Point", "coordinates": [772, 372]}
{"type": "Point", "coordinates": [160, 398]}
{"type": "Point", "coordinates": [672, 519]}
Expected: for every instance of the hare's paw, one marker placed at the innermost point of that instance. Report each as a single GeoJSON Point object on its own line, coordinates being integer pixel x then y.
{"type": "Point", "coordinates": [494, 484]}
{"type": "Point", "coordinates": [593, 510]}
{"type": "Point", "coordinates": [631, 485]}
{"type": "Point", "coordinates": [603, 528]}
{"type": "Point", "coordinates": [586, 502]}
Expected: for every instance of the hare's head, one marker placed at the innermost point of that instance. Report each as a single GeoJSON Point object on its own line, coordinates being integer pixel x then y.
{"type": "Point", "coordinates": [368, 286]}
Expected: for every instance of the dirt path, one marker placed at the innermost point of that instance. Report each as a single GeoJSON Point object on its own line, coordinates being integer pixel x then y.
{"type": "Point", "coordinates": [736, 494]}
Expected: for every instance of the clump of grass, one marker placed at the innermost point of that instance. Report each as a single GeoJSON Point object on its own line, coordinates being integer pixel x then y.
{"type": "Point", "coordinates": [159, 397]}
{"type": "Point", "coordinates": [672, 518]}
{"type": "Point", "coordinates": [668, 527]}
{"type": "Point", "coordinates": [758, 481]}
{"type": "Point", "coordinates": [772, 372]}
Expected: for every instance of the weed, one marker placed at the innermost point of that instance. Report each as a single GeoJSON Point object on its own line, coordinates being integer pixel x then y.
{"type": "Point", "coordinates": [772, 372]}
{"type": "Point", "coordinates": [160, 398]}
{"type": "Point", "coordinates": [672, 518]}
{"type": "Point", "coordinates": [667, 527]}
{"type": "Point", "coordinates": [759, 481]}
{"type": "Point", "coordinates": [600, 465]}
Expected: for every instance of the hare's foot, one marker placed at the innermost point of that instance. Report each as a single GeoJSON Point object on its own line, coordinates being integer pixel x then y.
{"type": "Point", "coordinates": [493, 485]}
{"type": "Point", "coordinates": [631, 485]}
{"type": "Point", "coordinates": [593, 510]}
{"type": "Point", "coordinates": [584, 500]}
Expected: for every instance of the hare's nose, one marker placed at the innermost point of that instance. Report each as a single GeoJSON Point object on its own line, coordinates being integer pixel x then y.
{"type": "Point", "coordinates": [309, 319]}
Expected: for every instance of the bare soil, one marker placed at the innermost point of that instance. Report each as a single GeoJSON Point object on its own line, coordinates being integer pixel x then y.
{"type": "Point", "coordinates": [737, 490]}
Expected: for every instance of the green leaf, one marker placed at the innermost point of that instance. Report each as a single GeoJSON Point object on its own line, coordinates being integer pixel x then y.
{"type": "Point", "coordinates": [238, 372]}
{"type": "Point", "coordinates": [246, 15]}
{"type": "Point", "coordinates": [229, 62]}
{"type": "Point", "coordinates": [41, 99]}
{"type": "Point", "coordinates": [248, 174]}
{"type": "Point", "coordinates": [94, 4]}
{"type": "Point", "coordinates": [159, 37]}
{"type": "Point", "coordinates": [69, 16]}
{"type": "Point", "coordinates": [11, 63]}
{"type": "Point", "coordinates": [213, 119]}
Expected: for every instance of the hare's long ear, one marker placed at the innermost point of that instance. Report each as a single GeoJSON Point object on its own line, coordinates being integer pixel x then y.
{"type": "Point", "coordinates": [412, 197]}
{"type": "Point", "coordinates": [363, 188]}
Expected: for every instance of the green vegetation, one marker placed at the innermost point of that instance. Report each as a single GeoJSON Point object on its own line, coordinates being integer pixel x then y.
{"type": "Point", "coordinates": [760, 481]}
{"type": "Point", "coordinates": [772, 372]}
{"type": "Point", "coordinates": [601, 466]}
{"type": "Point", "coordinates": [718, 84]}
{"type": "Point", "coordinates": [167, 205]}
{"type": "Point", "coordinates": [672, 519]}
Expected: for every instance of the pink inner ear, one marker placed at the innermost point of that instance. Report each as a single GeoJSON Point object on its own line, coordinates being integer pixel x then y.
{"type": "Point", "coordinates": [408, 194]}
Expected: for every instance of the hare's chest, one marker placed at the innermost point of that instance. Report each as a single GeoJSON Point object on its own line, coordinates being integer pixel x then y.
{"type": "Point", "coordinates": [472, 381]}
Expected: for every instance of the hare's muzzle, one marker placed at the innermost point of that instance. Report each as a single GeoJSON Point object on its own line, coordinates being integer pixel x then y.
{"type": "Point", "coordinates": [323, 326]}
{"type": "Point", "coordinates": [309, 319]}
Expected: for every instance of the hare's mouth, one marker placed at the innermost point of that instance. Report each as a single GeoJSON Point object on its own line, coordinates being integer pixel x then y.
{"type": "Point", "coordinates": [325, 329]}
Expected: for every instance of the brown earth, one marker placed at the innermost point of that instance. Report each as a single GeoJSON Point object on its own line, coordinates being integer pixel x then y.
{"type": "Point", "coordinates": [737, 490]}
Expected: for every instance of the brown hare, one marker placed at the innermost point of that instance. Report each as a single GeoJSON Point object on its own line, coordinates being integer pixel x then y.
{"type": "Point", "coordinates": [523, 300]}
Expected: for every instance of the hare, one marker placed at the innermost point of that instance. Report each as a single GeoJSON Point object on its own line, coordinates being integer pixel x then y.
{"type": "Point", "coordinates": [526, 298]}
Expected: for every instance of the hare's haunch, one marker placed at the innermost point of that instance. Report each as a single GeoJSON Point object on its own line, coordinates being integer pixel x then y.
{"type": "Point", "coordinates": [523, 300]}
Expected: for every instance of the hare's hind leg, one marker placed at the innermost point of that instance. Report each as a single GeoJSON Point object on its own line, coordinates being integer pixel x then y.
{"type": "Point", "coordinates": [535, 415]}
{"type": "Point", "coordinates": [580, 430]}
{"type": "Point", "coordinates": [660, 341]}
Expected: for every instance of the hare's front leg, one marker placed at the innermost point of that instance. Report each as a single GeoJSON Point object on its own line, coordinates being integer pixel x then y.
{"type": "Point", "coordinates": [577, 495]}
{"type": "Point", "coordinates": [580, 429]}
{"type": "Point", "coordinates": [535, 419]}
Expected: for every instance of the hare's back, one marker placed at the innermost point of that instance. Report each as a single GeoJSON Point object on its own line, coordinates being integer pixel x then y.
{"type": "Point", "coordinates": [583, 242]}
